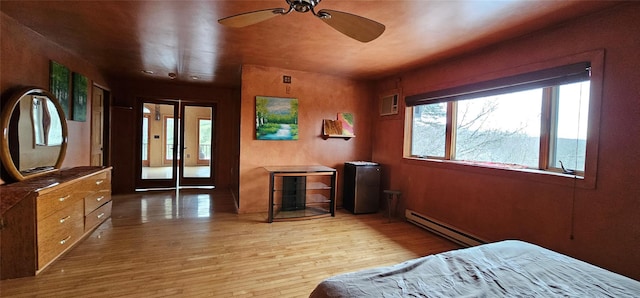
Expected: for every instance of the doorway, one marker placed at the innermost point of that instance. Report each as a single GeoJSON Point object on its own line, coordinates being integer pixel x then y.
{"type": "Point", "coordinates": [176, 144]}
{"type": "Point", "coordinates": [99, 127]}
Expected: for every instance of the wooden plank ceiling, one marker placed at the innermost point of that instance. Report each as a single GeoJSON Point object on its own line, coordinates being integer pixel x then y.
{"type": "Point", "coordinates": [122, 38]}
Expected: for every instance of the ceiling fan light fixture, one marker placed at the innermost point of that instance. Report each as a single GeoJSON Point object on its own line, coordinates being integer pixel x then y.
{"type": "Point", "coordinates": [303, 5]}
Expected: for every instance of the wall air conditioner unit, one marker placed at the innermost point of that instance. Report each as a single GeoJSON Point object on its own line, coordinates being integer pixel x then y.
{"type": "Point", "coordinates": [389, 105]}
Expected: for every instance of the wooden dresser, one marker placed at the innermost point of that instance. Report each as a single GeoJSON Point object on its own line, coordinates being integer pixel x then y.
{"type": "Point", "coordinates": [44, 217]}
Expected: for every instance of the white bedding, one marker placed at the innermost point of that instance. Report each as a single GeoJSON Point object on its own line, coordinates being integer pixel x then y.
{"type": "Point", "coordinates": [503, 269]}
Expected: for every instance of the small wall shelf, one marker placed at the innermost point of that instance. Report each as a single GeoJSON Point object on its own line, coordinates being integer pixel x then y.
{"type": "Point", "coordinates": [346, 137]}
{"type": "Point", "coordinates": [301, 192]}
{"type": "Point", "coordinates": [340, 128]}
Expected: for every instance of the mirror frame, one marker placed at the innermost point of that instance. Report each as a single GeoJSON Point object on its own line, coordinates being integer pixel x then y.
{"type": "Point", "coordinates": [5, 118]}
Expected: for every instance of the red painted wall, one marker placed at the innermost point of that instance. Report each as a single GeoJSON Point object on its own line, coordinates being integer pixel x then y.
{"type": "Point", "coordinates": [605, 224]}
{"type": "Point", "coordinates": [25, 57]}
{"type": "Point", "coordinates": [494, 206]}
{"type": "Point", "coordinates": [319, 97]}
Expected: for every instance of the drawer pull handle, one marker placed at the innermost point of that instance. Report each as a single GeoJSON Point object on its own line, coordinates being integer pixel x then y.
{"type": "Point", "coordinates": [100, 215]}
{"type": "Point", "coordinates": [99, 198]}
{"type": "Point", "coordinates": [98, 182]}
{"type": "Point", "coordinates": [64, 198]}
{"type": "Point", "coordinates": [63, 241]}
{"type": "Point", "coordinates": [62, 220]}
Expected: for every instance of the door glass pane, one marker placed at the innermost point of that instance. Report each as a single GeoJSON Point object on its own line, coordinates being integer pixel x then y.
{"type": "Point", "coordinates": [157, 161]}
{"type": "Point", "coordinates": [169, 138]}
{"type": "Point", "coordinates": [204, 139]}
{"type": "Point", "coordinates": [197, 142]}
{"type": "Point", "coordinates": [145, 140]}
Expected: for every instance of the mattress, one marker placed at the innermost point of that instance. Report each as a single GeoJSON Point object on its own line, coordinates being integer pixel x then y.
{"type": "Point", "coordinates": [508, 268]}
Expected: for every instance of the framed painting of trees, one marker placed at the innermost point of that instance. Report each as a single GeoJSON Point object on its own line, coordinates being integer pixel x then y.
{"type": "Point", "coordinates": [59, 85]}
{"type": "Point", "coordinates": [276, 118]}
{"type": "Point", "coordinates": [79, 97]}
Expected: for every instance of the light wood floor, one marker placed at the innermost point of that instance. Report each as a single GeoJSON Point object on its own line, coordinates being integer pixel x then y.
{"type": "Point", "coordinates": [193, 245]}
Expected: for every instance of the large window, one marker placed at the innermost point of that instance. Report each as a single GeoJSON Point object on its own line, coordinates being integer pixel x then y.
{"type": "Point", "coordinates": [532, 121]}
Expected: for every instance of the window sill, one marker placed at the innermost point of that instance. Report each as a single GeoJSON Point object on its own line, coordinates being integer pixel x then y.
{"type": "Point", "coordinates": [507, 171]}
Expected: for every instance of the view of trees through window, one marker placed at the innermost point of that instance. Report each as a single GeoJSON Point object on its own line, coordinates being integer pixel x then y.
{"type": "Point", "coordinates": [570, 145]}
{"type": "Point", "coordinates": [506, 128]}
{"type": "Point", "coordinates": [500, 129]}
{"type": "Point", "coordinates": [168, 130]}
{"type": "Point", "coordinates": [429, 130]}
{"type": "Point", "coordinates": [204, 139]}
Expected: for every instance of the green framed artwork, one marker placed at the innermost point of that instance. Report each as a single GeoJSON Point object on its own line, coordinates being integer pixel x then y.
{"type": "Point", "coordinates": [79, 97]}
{"type": "Point", "coordinates": [276, 118]}
{"type": "Point", "coordinates": [59, 83]}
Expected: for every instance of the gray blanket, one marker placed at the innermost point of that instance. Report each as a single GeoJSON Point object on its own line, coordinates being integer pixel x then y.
{"type": "Point", "coordinates": [504, 269]}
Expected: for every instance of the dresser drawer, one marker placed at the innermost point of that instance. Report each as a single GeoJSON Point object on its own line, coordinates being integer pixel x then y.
{"type": "Point", "coordinates": [95, 200]}
{"type": "Point", "coordinates": [97, 182]}
{"type": "Point", "coordinates": [56, 200]}
{"type": "Point", "coordinates": [59, 231]}
{"type": "Point", "coordinates": [98, 216]}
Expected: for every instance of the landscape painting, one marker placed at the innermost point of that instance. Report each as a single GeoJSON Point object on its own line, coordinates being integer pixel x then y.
{"type": "Point", "coordinates": [79, 97]}
{"type": "Point", "coordinates": [59, 85]}
{"type": "Point", "coordinates": [276, 118]}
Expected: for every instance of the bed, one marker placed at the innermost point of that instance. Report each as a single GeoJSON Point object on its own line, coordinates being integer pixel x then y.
{"type": "Point", "coordinates": [509, 268]}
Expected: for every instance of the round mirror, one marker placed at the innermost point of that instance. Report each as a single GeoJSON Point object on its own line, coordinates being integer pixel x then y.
{"type": "Point", "coordinates": [34, 134]}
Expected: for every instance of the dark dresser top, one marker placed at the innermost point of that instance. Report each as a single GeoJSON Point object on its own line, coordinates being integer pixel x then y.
{"type": "Point", "coordinates": [11, 194]}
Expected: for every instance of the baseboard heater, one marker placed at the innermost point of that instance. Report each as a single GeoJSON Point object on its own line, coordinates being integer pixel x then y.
{"type": "Point", "coordinates": [442, 229]}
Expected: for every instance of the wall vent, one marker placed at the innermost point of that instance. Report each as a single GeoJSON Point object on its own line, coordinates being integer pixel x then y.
{"type": "Point", "coordinates": [443, 229]}
{"type": "Point", "coordinates": [389, 105]}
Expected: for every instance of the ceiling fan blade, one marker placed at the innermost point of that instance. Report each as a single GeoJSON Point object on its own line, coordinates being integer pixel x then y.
{"type": "Point", "coordinates": [250, 18]}
{"type": "Point", "coordinates": [356, 27]}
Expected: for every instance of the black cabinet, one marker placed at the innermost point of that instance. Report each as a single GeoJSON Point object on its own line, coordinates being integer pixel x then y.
{"type": "Point", "coordinates": [361, 187]}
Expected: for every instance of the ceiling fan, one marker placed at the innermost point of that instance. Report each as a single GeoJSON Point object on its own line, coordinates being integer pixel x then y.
{"type": "Point", "coordinates": [356, 27]}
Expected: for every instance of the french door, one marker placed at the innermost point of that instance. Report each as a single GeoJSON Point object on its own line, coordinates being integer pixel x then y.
{"type": "Point", "coordinates": [176, 147]}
